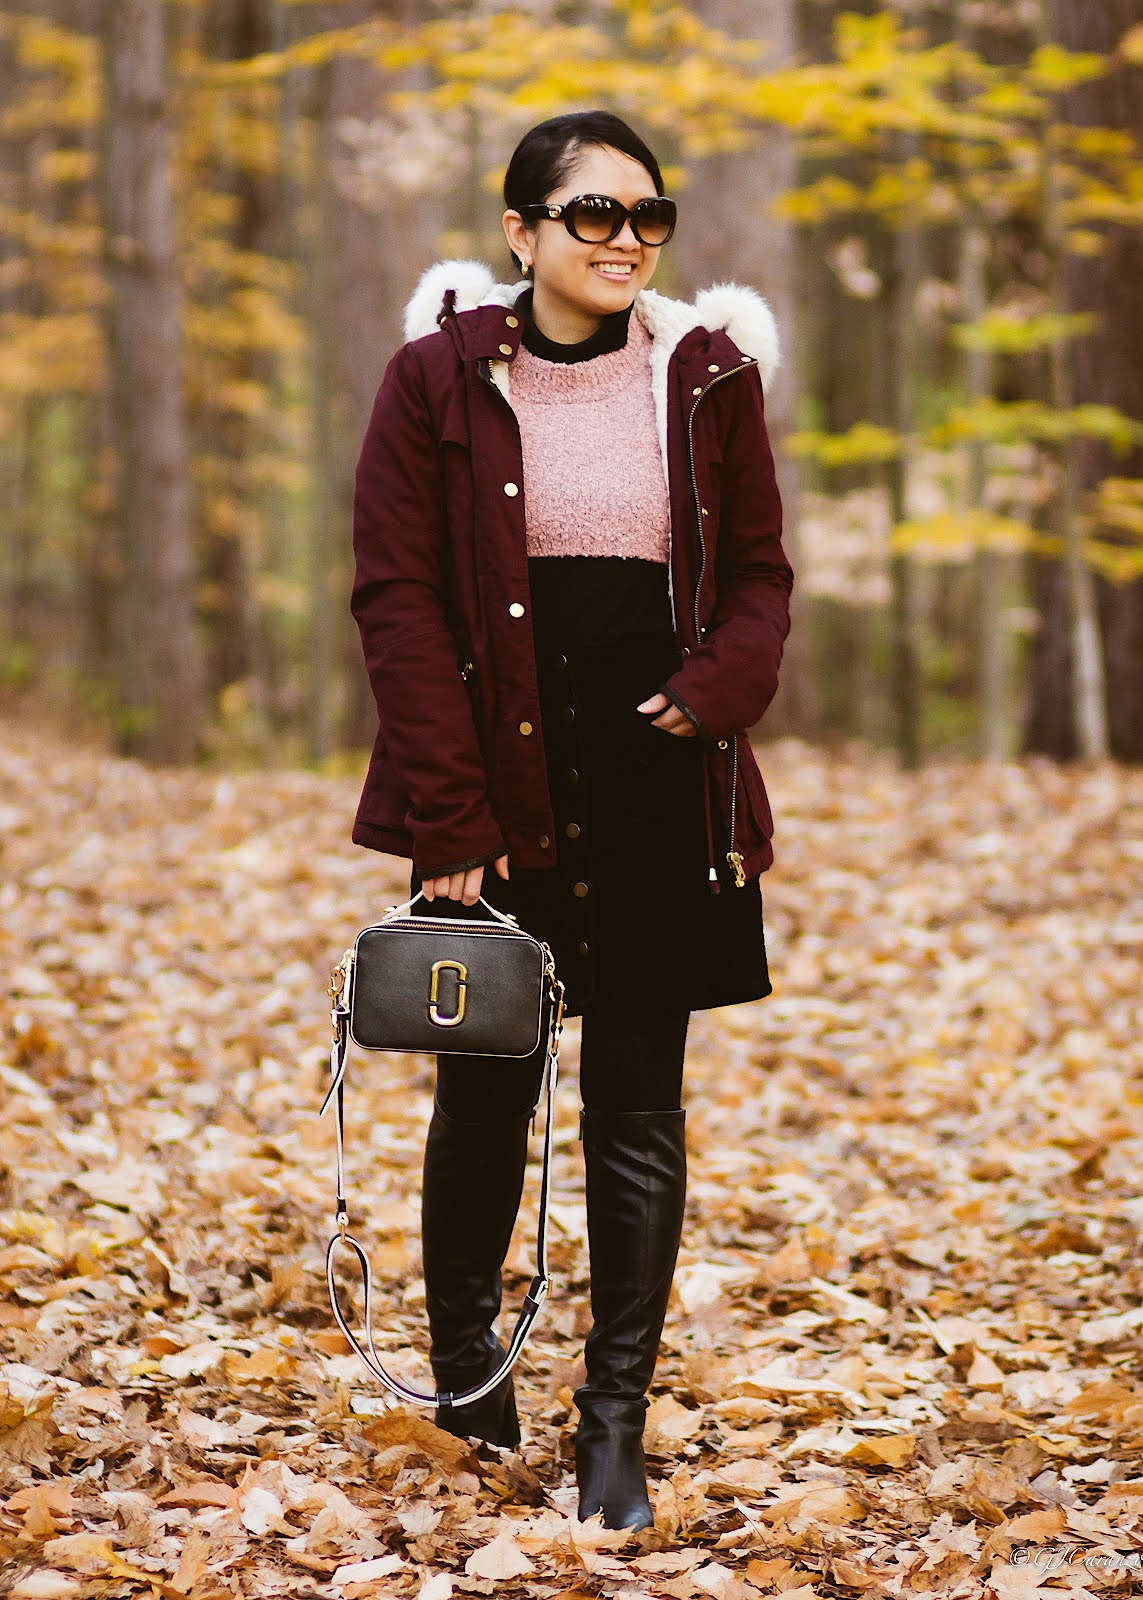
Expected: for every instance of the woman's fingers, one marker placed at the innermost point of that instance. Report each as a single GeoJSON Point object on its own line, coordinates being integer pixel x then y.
{"type": "Point", "coordinates": [670, 718]}
{"type": "Point", "coordinates": [675, 721]}
{"type": "Point", "coordinates": [463, 886]}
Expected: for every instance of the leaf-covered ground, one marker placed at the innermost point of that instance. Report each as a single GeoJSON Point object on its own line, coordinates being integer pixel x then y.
{"type": "Point", "coordinates": [904, 1352]}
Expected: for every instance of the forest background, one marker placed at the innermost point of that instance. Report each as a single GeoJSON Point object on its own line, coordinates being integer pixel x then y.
{"type": "Point", "coordinates": [213, 211]}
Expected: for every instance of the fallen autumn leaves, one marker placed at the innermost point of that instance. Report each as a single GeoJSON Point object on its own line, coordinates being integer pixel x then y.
{"type": "Point", "coordinates": [904, 1343]}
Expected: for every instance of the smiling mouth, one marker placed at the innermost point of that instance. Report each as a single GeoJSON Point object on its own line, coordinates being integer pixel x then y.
{"type": "Point", "coordinates": [619, 270]}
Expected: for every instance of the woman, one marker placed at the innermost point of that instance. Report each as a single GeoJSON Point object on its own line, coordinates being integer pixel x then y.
{"type": "Point", "coordinates": [573, 597]}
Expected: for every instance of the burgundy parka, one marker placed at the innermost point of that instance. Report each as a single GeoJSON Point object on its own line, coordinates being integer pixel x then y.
{"type": "Point", "coordinates": [441, 591]}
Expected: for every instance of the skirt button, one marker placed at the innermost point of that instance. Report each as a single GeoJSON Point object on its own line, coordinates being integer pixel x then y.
{"type": "Point", "coordinates": [572, 830]}
{"type": "Point", "coordinates": [579, 890]}
{"type": "Point", "coordinates": [544, 841]}
{"type": "Point", "coordinates": [583, 947]}
{"type": "Point", "coordinates": [573, 775]}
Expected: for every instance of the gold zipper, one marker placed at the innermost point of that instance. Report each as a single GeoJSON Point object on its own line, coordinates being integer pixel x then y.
{"type": "Point", "coordinates": [732, 854]}
{"type": "Point", "coordinates": [734, 859]}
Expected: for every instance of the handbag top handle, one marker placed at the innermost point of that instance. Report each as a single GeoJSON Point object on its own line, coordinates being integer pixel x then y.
{"type": "Point", "coordinates": [501, 916]}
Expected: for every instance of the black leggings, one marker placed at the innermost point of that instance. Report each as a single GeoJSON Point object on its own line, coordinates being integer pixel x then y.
{"type": "Point", "coordinates": [630, 1060]}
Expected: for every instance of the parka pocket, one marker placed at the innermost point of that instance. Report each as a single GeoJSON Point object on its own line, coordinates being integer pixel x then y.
{"type": "Point", "coordinates": [467, 670]}
{"type": "Point", "coordinates": [754, 788]}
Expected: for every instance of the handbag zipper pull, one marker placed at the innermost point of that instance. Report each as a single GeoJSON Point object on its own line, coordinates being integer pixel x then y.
{"type": "Point", "coordinates": [736, 867]}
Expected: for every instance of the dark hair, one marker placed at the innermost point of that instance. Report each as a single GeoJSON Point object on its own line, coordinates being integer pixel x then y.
{"type": "Point", "coordinates": [547, 153]}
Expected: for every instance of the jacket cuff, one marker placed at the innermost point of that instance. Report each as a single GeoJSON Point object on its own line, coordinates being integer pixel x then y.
{"type": "Point", "coordinates": [688, 711]}
{"type": "Point", "coordinates": [460, 866]}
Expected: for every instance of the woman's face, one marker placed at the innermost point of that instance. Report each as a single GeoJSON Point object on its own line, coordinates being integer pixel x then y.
{"type": "Point", "coordinates": [592, 279]}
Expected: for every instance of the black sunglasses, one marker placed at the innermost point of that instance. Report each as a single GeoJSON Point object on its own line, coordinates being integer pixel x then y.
{"type": "Point", "coordinates": [597, 218]}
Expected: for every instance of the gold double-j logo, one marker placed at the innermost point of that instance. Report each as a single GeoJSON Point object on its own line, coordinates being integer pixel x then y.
{"type": "Point", "coordinates": [461, 991]}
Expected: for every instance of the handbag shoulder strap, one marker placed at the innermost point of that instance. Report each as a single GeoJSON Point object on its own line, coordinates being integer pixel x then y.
{"type": "Point", "coordinates": [342, 1239]}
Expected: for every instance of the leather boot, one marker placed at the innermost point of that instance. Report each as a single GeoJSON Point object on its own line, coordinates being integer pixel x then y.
{"type": "Point", "coordinates": [636, 1170]}
{"type": "Point", "coordinates": [473, 1179]}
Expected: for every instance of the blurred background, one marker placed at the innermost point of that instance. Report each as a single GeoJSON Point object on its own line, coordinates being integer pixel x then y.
{"type": "Point", "coordinates": [213, 211]}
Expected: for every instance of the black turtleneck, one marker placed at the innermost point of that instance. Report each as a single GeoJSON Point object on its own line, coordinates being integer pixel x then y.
{"type": "Point", "coordinates": [610, 335]}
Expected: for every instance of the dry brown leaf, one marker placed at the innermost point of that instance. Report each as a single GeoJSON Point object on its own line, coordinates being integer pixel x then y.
{"type": "Point", "coordinates": [790, 1264]}
{"type": "Point", "coordinates": [45, 1584]}
{"type": "Point", "coordinates": [983, 1373]}
{"type": "Point", "coordinates": [884, 1450]}
{"type": "Point", "coordinates": [747, 1477]}
{"type": "Point", "coordinates": [192, 1562]}
{"type": "Point", "coordinates": [199, 1492]}
{"type": "Point", "coordinates": [1039, 1526]}
{"type": "Point", "coordinates": [400, 1427]}
{"type": "Point", "coordinates": [671, 1422]}
{"type": "Point", "coordinates": [829, 1504]}
{"type": "Point", "coordinates": [500, 1559]}
{"type": "Point", "coordinates": [263, 1366]}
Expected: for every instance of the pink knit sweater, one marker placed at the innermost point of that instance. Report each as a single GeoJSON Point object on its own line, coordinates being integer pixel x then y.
{"type": "Point", "coordinates": [593, 470]}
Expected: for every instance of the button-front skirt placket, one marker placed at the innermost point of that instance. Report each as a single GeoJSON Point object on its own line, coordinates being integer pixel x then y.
{"type": "Point", "coordinates": [627, 909]}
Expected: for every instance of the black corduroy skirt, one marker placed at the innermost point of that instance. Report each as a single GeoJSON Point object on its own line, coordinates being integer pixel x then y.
{"type": "Point", "coordinates": [628, 909]}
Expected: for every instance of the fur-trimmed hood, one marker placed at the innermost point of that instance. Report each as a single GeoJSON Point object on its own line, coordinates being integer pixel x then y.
{"type": "Point", "coordinates": [739, 310]}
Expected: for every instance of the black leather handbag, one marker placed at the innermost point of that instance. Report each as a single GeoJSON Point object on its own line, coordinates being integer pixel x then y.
{"type": "Point", "coordinates": [451, 986]}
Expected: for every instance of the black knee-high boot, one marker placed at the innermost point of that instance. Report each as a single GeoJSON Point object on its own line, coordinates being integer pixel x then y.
{"type": "Point", "coordinates": [473, 1178]}
{"type": "Point", "coordinates": [636, 1191]}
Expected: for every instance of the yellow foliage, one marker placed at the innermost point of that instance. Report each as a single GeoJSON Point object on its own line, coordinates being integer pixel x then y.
{"type": "Point", "coordinates": [1006, 332]}
{"type": "Point", "coordinates": [1007, 422]}
{"type": "Point", "coordinates": [863, 444]}
{"type": "Point", "coordinates": [954, 531]}
{"type": "Point", "coordinates": [1054, 68]}
{"type": "Point", "coordinates": [66, 166]}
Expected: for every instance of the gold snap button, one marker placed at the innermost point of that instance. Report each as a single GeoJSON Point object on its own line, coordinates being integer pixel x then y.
{"type": "Point", "coordinates": [573, 775]}
{"type": "Point", "coordinates": [515, 609]}
{"type": "Point", "coordinates": [745, 358]}
{"type": "Point", "coordinates": [569, 713]}
{"type": "Point", "coordinates": [579, 890]}
{"type": "Point", "coordinates": [505, 349]}
{"type": "Point", "coordinates": [544, 841]}
{"type": "Point", "coordinates": [572, 830]}
{"type": "Point", "coordinates": [563, 661]}
{"type": "Point", "coordinates": [525, 727]}
{"type": "Point", "coordinates": [722, 745]}
{"type": "Point", "coordinates": [712, 368]}
{"type": "Point", "coordinates": [583, 947]}
{"type": "Point", "coordinates": [512, 322]}
{"type": "Point", "coordinates": [697, 391]}
{"type": "Point", "coordinates": [511, 489]}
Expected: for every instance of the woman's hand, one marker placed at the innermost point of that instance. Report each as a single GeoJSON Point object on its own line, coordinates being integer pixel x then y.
{"type": "Point", "coordinates": [462, 885]}
{"type": "Point", "coordinates": [673, 720]}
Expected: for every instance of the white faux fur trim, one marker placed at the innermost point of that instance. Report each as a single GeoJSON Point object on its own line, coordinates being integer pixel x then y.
{"type": "Point", "coordinates": [474, 283]}
{"type": "Point", "coordinates": [733, 306]}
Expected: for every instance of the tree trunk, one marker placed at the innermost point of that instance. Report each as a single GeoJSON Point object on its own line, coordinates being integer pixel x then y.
{"type": "Point", "coordinates": [160, 678]}
{"type": "Point", "coordinates": [905, 669]}
{"type": "Point", "coordinates": [1107, 368]}
{"type": "Point", "coordinates": [324, 531]}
